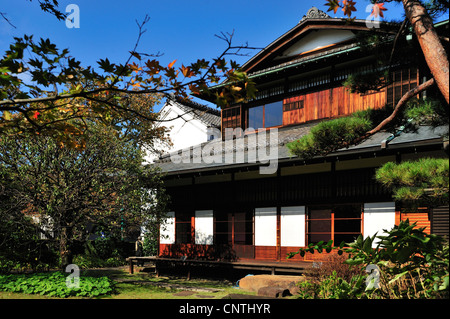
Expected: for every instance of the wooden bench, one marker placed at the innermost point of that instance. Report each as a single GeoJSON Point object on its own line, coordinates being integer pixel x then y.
{"type": "Point", "coordinates": [271, 267]}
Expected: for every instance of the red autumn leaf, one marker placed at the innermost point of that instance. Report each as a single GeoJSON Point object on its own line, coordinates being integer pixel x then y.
{"type": "Point", "coordinates": [35, 115]}
{"type": "Point", "coordinates": [377, 10]}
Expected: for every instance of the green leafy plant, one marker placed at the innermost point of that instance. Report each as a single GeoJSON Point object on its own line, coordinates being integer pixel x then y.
{"type": "Point", "coordinates": [412, 264]}
{"type": "Point", "coordinates": [332, 287]}
{"type": "Point", "coordinates": [54, 285]}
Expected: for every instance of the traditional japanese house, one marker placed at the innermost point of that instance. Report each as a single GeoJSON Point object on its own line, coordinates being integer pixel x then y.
{"type": "Point", "coordinates": [250, 201]}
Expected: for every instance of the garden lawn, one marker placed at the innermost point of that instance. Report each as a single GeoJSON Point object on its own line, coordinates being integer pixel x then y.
{"type": "Point", "coordinates": [137, 286]}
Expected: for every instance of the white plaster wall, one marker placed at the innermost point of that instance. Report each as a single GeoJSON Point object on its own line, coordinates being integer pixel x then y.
{"type": "Point", "coordinates": [266, 226]}
{"type": "Point", "coordinates": [184, 130]}
{"type": "Point", "coordinates": [378, 216]}
{"type": "Point", "coordinates": [293, 226]}
{"type": "Point", "coordinates": [204, 227]}
{"type": "Point", "coordinates": [318, 39]}
{"type": "Point", "coordinates": [167, 229]}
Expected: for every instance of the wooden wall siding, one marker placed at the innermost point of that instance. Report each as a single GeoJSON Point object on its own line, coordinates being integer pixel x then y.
{"type": "Point", "coordinates": [331, 103]}
{"type": "Point", "coordinates": [266, 252]}
{"type": "Point", "coordinates": [207, 252]}
{"type": "Point", "coordinates": [284, 251]}
{"type": "Point", "coordinates": [323, 257]}
{"type": "Point", "coordinates": [422, 218]}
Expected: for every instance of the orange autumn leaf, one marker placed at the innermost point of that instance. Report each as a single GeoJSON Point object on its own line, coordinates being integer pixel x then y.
{"type": "Point", "coordinates": [377, 10]}
{"type": "Point", "coordinates": [171, 64]}
{"type": "Point", "coordinates": [348, 7]}
{"type": "Point", "coordinates": [186, 71]}
{"type": "Point", "coordinates": [333, 5]}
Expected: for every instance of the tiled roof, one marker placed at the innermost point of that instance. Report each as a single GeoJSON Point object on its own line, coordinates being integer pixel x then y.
{"type": "Point", "coordinates": [193, 163]}
{"type": "Point", "coordinates": [208, 115]}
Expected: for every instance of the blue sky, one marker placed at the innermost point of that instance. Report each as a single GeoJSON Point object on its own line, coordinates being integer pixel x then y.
{"type": "Point", "coordinates": [180, 29]}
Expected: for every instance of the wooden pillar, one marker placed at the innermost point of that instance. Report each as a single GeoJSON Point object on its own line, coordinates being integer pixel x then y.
{"type": "Point", "coordinates": [278, 185]}
{"type": "Point", "coordinates": [193, 229]}
{"type": "Point", "coordinates": [278, 251]}
{"type": "Point", "coordinates": [131, 266]}
{"type": "Point", "coordinates": [188, 272]}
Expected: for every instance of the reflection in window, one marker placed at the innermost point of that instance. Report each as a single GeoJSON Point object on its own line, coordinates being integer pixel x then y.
{"type": "Point", "coordinates": [273, 114]}
{"type": "Point", "coordinates": [268, 115]}
{"type": "Point", "coordinates": [255, 117]}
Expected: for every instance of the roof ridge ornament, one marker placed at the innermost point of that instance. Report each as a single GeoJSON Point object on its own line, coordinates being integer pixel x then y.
{"type": "Point", "coordinates": [315, 13]}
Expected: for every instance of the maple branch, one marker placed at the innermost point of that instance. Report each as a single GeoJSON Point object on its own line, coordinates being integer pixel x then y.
{"type": "Point", "coordinates": [7, 20]}
{"type": "Point", "coordinates": [141, 32]}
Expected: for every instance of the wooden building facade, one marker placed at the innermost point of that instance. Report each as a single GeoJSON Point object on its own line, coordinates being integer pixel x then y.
{"type": "Point", "coordinates": [231, 211]}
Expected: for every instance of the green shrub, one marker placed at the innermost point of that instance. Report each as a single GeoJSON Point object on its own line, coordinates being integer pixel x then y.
{"type": "Point", "coordinates": [331, 135]}
{"type": "Point", "coordinates": [89, 261]}
{"type": "Point", "coordinates": [54, 285]}
{"type": "Point", "coordinates": [412, 264]}
{"type": "Point", "coordinates": [332, 287]}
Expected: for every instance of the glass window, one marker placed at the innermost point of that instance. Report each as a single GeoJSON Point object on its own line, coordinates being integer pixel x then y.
{"type": "Point", "coordinates": [223, 228]}
{"type": "Point", "coordinates": [319, 225]}
{"type": "Point", "coordinates": [273, 114]}
{"type": "Point", "coordinates": [239, 224]}
{"type": "Point", "coordinates": [255, 117]}
{"type": "Point", "coordinates": [347, 223]}
{"type": "Point", "coordinates": [243, 228]}
{"type": "Point", "coordinates": [339, 223]}
{"type": "Point", "coordinates": [183, 228]}
{"type": "Point", "coordinates": [268, 115]}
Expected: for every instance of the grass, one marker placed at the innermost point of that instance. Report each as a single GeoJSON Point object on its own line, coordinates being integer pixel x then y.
{"type": "Point", "coordinates": [144, 285]}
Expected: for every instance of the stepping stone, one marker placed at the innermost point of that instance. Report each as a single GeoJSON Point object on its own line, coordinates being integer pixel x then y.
{"type": "Point", "coordinates": [254, 283]}
{"type": "Point", "coordinates": [273, 292]}
{"type": "Point", "coordinates": [184, 293]}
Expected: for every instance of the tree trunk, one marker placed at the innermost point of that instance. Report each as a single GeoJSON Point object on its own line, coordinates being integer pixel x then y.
{"type": "Point", "coordinates": [401, 104]}
{"type": "Point", "coordinates": [432, 48]}
{"type": "Point", "coordinates": [64, 247]}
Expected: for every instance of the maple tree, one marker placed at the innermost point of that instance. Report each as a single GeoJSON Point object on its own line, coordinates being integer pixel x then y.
{"type": "Point", "coordinates": [62, 89]}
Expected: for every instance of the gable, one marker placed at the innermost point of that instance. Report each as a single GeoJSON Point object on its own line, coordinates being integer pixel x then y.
{"type": "Point", "coordinates": [316, 40]}
{"type": "Point", "coordinates": [309, 37]}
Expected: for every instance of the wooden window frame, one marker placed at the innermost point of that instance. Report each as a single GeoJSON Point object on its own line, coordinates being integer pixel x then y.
{"type": "Point", "coordinates": [403, 81]}
{"type": "Point", "coordinates": [332, 220]}
{"type": "Point", "coordinates": [189, 223]}
{"type": "Point", "coordinates": [247, 116]}
{"type": "Point", "coordinates": [296, 105]}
